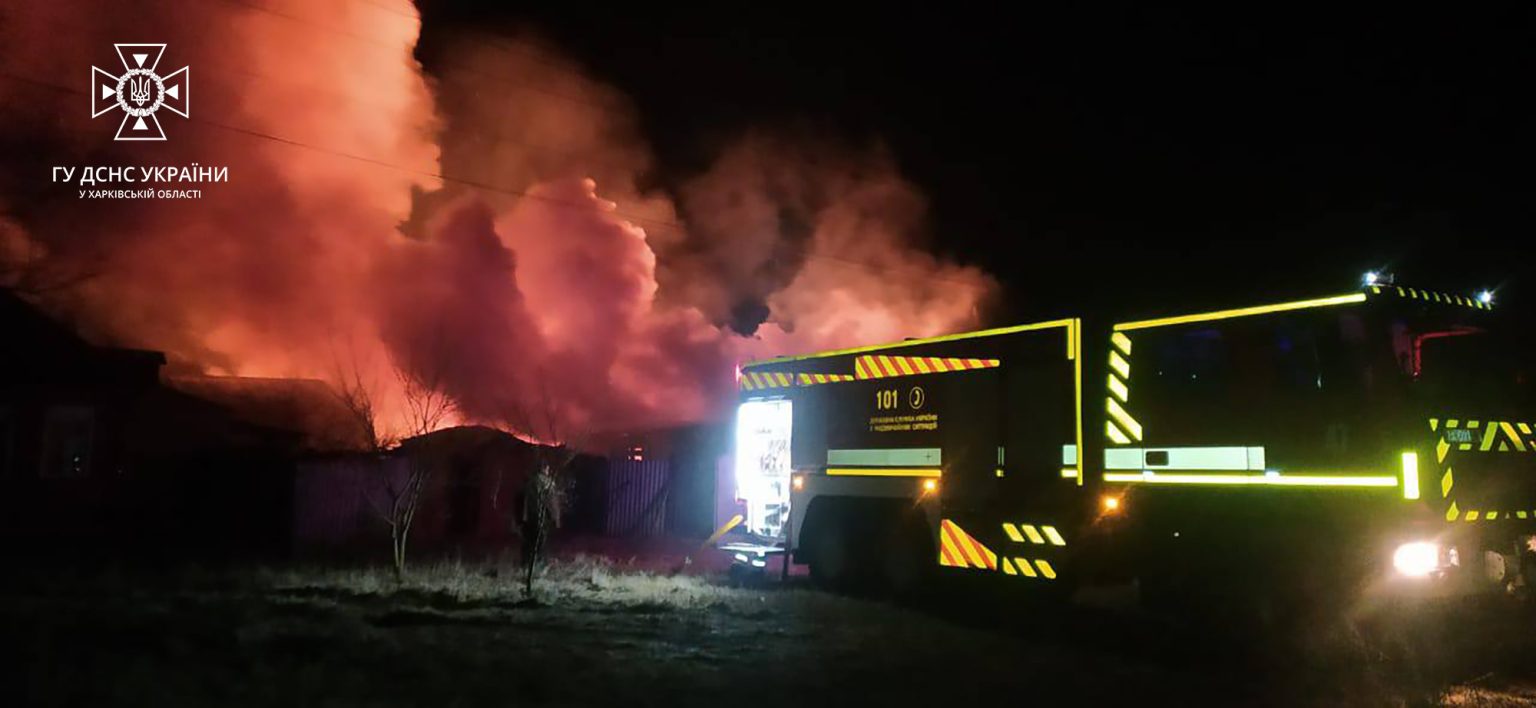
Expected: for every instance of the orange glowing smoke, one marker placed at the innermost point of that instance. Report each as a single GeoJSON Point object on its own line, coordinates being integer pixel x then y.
{"type": "Point", "coordinates": [538, 274]}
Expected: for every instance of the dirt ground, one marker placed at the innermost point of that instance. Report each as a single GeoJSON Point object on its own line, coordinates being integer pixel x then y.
{"type": "Point", "coordinates": [596, 634]}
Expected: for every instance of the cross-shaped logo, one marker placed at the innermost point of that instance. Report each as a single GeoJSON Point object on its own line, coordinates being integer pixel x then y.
{"type": "Point", "coordinates": [140, 92]}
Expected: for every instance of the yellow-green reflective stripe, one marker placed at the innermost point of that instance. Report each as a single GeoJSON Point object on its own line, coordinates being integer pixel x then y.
{"type": "Point", "coordinates": [1114, 434]}
{"type": "Point", "coordinates": [1121, 342]}
{"type": "Point", "coordinates": [1125, 420]}
{"type": "Point", "coordinates": [1510, 430]}
{"type": "Point", "coordinates": [1120, 365]}
{"type": "Point", "coordinates": [914, 342]}
{"type": "Point", "coordinates": [1069, 473]}
{"type": "Point", "coordinates": [1024, 567]}
{"type": "Point", "coordinates": [1410, 475]}
{"type": "Point", "coordinates": [1013, 533]}
{"type": "Point", "coordinates": [1277, 480]}
{"type": "Point", "coordinates": [1034, 536]}
{"type": "Point", "coordinates": [1050, 533]}
{"type": "Point", "coordinates": [1076, 333]}
{"type": "Point", "coordinates": [1243, 312]}
{"type": "Point", "coordinates": [885, 471]}
{"type": "Point", "coordinates": [1046, 569]}
{"type": "Point", "coordinates": [1118, 388]}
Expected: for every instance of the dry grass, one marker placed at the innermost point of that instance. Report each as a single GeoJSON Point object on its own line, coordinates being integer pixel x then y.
{"type": "Point", "coordinates": [1508, 697]}
{"type": "Point", "coordinates": [452, 633]}
{"type": "Point", "coordinates": [582, 579]}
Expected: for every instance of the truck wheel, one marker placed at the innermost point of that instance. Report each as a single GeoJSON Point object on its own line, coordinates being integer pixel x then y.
{"type": "Point", "coordinates": [832, 556]}
{"type": "Point", "coordinates": [1162, 584]}
{"type": "Point", "coordinates": [908, 557]}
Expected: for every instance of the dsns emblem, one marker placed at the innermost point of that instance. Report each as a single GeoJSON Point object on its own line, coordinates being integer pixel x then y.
{"type": "Point", "coordinates": [140, 92]}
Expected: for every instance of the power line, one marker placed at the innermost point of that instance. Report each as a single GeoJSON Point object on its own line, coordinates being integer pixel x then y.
{"type": "Point", "coordinates": [449, 179]}
{"type": "Point", "coordinates": [476, 184]}
{"type": "Point", "coordinates": [498, 47]}
{"type": "Point", "coordinates": [394, 47]}
{"type": "Point", "coordinates": [351, 98]}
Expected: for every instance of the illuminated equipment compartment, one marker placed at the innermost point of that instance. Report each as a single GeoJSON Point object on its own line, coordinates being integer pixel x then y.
{"type": "Point", "coordinates": [763, 430]}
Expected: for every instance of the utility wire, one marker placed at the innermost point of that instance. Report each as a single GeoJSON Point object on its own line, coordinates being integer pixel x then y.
{"type": "Point", "coordinates": [394, 48]}
{"type": "Point", "coordinates": [536, 57]}
{"type": "Point", "coordinates": [450, 179]}
{"type": "Point", "coordinates": [567, 154]}
{"type": "Point", "coordinates": [397, 50]}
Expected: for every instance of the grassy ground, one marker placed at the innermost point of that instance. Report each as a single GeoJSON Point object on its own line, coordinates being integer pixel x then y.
{"type": "Point", "coordinates": [453, 635]}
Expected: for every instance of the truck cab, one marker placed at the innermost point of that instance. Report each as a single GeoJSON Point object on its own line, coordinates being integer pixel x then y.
{"type": "Point", "coordinates": [1366, 437]}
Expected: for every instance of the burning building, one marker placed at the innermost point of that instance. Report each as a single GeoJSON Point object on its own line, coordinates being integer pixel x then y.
{"type": "Point", "coordinates": [473, 215]}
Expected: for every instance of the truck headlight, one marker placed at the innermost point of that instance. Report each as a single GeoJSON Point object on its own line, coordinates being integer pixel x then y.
{"type": "Point", "coordinates": [1416, 559]}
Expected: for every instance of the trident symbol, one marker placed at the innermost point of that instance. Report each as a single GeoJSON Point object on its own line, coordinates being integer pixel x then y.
{"type": "Point", "coordinates": [140, 92]}
{"type": "Point", "coordinates": [138, 89]}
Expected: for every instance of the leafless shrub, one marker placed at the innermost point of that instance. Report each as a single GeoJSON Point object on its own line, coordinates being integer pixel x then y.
{"type": "Point", "coordinates": [394, 497]}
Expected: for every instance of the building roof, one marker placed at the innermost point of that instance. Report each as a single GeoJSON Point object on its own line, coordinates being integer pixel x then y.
{"type": "Point", "coordinates": [46, 350]}
{"type": "Point", "coordinates": [308, 407]}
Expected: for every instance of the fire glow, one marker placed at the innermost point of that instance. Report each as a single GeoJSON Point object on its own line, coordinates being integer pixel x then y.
{"type": "Point", "coordinates": [494, 242]}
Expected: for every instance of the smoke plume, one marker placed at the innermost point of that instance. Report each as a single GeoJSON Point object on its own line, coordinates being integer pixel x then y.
{"type": "Point", "coordinates": [491, 230]}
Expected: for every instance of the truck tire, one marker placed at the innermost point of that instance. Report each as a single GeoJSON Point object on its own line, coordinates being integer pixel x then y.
{"type": "Point", "coordinates": [833, 563]}
{"type": "Point", "coordinates": [908, 557]}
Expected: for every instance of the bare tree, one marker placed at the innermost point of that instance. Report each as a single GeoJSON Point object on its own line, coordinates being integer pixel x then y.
{"type": "Point", "coordinates": [427, 407]}
{"type": "Point", "coordinates": [397, 497]}
{"type": "Point", "coordinates": [546, 485]}
{"type": "Point", "coordinates": [355, 387]}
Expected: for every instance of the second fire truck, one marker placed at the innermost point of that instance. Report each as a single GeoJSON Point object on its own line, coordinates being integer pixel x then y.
{"type": "Point", "coordinates": [1380, 438]}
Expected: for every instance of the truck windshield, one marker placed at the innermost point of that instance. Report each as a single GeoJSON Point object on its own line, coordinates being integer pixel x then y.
{"type": "Point", "coordinates": [1458, 358]}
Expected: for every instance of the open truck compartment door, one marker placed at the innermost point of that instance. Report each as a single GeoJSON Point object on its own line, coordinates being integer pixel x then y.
{"type": "Point", "coordinates": [763, 437]}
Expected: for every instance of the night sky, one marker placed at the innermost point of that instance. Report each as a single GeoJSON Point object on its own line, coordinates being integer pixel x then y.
{"type": "Point", "coordinates": [1094, 158]}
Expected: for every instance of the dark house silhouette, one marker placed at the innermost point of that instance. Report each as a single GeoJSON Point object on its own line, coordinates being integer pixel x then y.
{"type": "Point", "coordinates": [99, 458]}
{"type": "Point", "coordinates": [103, 455]}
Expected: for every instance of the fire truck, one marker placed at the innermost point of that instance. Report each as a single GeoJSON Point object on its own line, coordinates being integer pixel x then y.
{"type": "Point", "coordinates": [1378, 440]}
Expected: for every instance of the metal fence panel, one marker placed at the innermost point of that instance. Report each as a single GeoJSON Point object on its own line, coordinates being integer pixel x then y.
{"type": "Point", "coordinates": [637, 497]}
